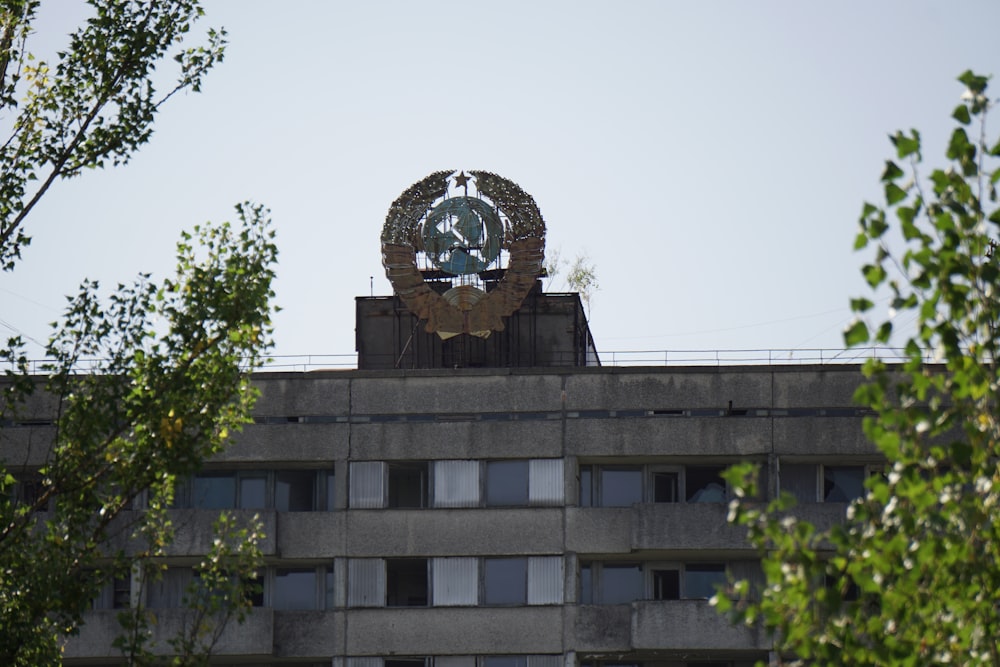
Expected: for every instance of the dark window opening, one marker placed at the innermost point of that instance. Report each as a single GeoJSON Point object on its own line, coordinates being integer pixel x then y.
{"type": "Point", "coordinates": [842, 484]}
{"type": "Point", "coordinates": [405, 662]}
{"type": "Point", "coordinates": [701, 579]}
{"type": "Point", "coordinates": [406, 582]}
{"type": "Point", "coordinates": [408, 486]}
{"type": "Point", "coordinates": [665, 487]}
{"type": "Point", "coordinates": [294, 490]}
{"type": "Point", "coordinates": [666, 585]}
{"type": "Point", "coordinates": [704, 484]}
{"type": "Point", "coordinates": [121, 597]}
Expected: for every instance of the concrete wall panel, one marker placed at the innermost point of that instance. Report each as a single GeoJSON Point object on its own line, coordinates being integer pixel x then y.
{"type": "Point", "coordinates": [464, 630]}
{"type": "Point", "coordinates": [688, 625]}
{"type": "Point", "coordinates": [823, 438]}
{"type": "Point", "coordinates": [681, 388]}
{"type": "Point", "coordinates": [317, 634]}
{"type": "Point", "coordinates": [311, 534]}
{"type": "Point", "coordinates": [690, 437]}
{"type": "Point", "coordinates": [458, 532]}
{"type": "Point", "coordinates": [459, 391]}
{"type": "Point", "coordinates": [598, 530]}
{"type": "Point", "coordinates": [27, 446]}
{"type": "Point", "coordinates": [193, 534]}
{"type": "Point", "coordinates": [685, 526]}
{"type": "Point", "coordinates": [599, 628]}
{"type": "Point", "coordinates": [300, 394]}
{"type": "Point", "coordinates": [288, 443]}
{"type": "Point", "coordinates": [255, 637]}
{"type": "Point", "coordinates": [827, 387]}
{"type": "Point", "coordinates": [456, 440]}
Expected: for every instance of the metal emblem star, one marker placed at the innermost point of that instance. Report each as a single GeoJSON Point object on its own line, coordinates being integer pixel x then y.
{"type": "Point", "coordinates": [461, 181]}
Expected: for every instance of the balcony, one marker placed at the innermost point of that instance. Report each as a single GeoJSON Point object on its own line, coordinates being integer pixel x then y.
{"type": "Point", "coordinates": [690, 625]}
{"type": "Point", "coordinates": [253, 638]}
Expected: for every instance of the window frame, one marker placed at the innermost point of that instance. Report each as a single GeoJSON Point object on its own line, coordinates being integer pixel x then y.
{"type": "Point", "coordinates": [323, 488]}
{"type": "Point", "coordinates": [591, 485]}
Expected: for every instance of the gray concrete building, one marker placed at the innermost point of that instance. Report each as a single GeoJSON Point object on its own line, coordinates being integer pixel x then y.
{"type": "Point", "coordinates": [462, 500]}
{"type": "Point", "coordinates": [501, 517]}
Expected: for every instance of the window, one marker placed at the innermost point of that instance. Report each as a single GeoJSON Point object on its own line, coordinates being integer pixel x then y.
{"type": "Point", "coordinates": [611, 486]}
{"type": "Point", "coordinates": [294, 589]}
{"type": "Point", "coordinates": [406, 582]}
{"type": "Point", "coordinates": [454, 581]}
{"type": "Point", "coordinates": [701, 579]}
{"type": "Point", "coordinates": [408, 485]}
{"type": "Point", "coordinates": [505, 581]}
{"type": "Point", "coordinates": [611, 583]}
{"type": "Point", "coordinates": [812, 482]}
{"type": "Point", "coordinates": [28, 490]}
{"type": "Point", "coordinates": [214, 491]}
{"type": "Point", "coordinates": [666, 585]}
{"type": "Point", "coordinates": [291, 490]}
{"type": "Point", "coordinates": [666, 486]}
{"type": "Point", "coordinates": [842, 484]}
{"type": "Point", "coordinates": [506, 483]}
{"type": "Point", "coordinates": [451, 483]}
{"type": "Point", "coordinates": [624, 486]}
{"type": "Point", "coordinates": [621, 583]}
{"type": "Point", "coordinates": [295, 490]}
{"type": "Point", "coordinates": [704, 484]}
{"type": "Point", "coordinates": [280, 588]}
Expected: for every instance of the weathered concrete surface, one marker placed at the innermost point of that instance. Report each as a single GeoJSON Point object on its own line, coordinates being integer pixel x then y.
{"type": "Point", "coordinates": [478, 630]}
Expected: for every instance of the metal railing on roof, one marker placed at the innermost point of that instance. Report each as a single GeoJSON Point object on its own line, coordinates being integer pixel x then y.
{"type": "Point", "coordinates": [678, 358]}
{"type": "Point", "coordinates": [759, 357]}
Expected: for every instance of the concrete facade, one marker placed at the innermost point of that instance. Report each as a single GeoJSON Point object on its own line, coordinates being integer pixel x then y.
{"type": "Point", "coordinates": [563, 515]}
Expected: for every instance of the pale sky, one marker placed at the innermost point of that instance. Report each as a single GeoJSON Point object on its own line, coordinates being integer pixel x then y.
{"type": "Point", "coordinates": [711, 158]}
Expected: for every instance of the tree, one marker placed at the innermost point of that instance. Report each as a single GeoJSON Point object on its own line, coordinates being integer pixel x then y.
{"type": "Point", "coordinates": [96, 105]}
{"type": "Point", "coordinates": [912, 577]}
{"type": "Point", "coordinates": [581, 275]}
{"type": "Point", "coordinates": [166, 381]}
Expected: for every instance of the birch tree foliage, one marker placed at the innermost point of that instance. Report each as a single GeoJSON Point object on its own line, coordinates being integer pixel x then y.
{"type": "Point", "coordinates": [142, 384]}
{"type": "Point", "coordinates": [95, 104]}
{"type": "Point", "coordinates": [912, 577]}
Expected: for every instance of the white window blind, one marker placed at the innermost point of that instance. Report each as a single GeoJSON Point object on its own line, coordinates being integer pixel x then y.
{"type": "Point", "coordinates": [456, 483]}
{"type": "Point", "coordinates": [545, 482]}
{"type": "Point", "coordinates": [365, 582]}
{"type": "Point", "coordinates": [545, 580]}
{"type": "Point", "coordinates": [367, 484]}
{"type": "Point", "coordinates": [456, 581]}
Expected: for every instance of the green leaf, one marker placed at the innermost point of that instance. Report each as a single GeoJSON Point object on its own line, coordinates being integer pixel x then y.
{"type": "Point", "coordinates": [894, 194]}
{"type": "Point", "coordinates": [874, 274]}
{"type": "Point", "coordinates": [961, 114]}
{"type": "Point", "coordinates": [891, 172]}
{"type": "Point", "coordinates": [884, 332]}
{"type": "Point", "coordinates": [974, 82]}
{"type": "Point", "coordinates": [861, 305]}
{"type": "Point", "coordinates": [958, 145]}
{"type": "Point", "coordinates": [906, 146]}
{"type": "Point", "coordinates": [856, 334]}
